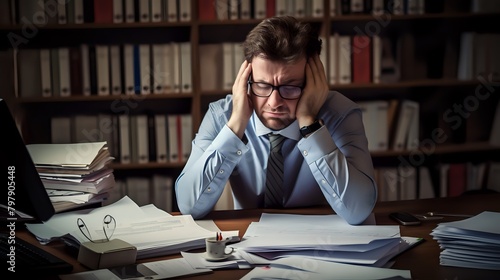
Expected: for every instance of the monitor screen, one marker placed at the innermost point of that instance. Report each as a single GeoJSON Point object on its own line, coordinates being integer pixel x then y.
{"type": "Point", "coordinates": [24, 196]}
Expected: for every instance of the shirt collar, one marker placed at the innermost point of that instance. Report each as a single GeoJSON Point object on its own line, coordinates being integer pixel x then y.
{"type": "Point", "coordinates": [292, 131]}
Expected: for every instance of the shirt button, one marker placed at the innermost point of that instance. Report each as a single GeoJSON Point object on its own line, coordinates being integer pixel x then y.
{"type": "Point", "coordinates": [304, 153]}
{"type": "Point", "coordinates": [209, 189]}
{"type": "Point", "coordinates": [221, 171]}
{"type": "Point", "coordinates": [323, 181]}
{"type": "Point", "coordinates": [239, 152]}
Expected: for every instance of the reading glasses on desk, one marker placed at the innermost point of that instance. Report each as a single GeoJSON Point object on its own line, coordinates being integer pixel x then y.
{"type": "Point", "coordinates": [108, 228]}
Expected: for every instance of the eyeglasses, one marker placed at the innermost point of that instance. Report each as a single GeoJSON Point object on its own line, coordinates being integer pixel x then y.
{"type": "Point", "coordinates": [108, 228]}
{"type": "Point", "coordinates": [265, 90]}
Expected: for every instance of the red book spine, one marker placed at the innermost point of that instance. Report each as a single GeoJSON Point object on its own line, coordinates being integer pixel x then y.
{"type": "Point", "coordinates": [456, 179]}
{"type": "Point", "coordinates": [206, 9]}
{"type": "Point", "coordinates": [103, 11]}
{"type": "Point", "coordinates": [270, 8]}
{"type": "Point", "coordinates": [361, 59]}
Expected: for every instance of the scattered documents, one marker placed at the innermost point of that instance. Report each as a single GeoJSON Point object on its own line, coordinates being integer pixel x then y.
{"type": "Point", "coordinates": [151, 230]}
{"type": "Point", "coordinates": [301, 268]}
{"type": "Point", "coordinates": [151, 270]}
{"type": "Point", "coordinates": [74, 174]}
{"type": "Point", "coordinates": [473, 242]}
{"type": "Point", "coordinates": [320, 237]}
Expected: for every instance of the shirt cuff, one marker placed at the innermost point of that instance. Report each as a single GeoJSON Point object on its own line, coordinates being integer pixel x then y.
{"type": "Point", "coordinates": [316, 145]}
{"type": "Point", "coordinates": [230, 145]}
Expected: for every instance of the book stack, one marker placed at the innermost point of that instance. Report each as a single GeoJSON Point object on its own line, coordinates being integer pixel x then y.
{"type": "Point", "coordinates": [473, 242]}
{"type": "Point", "coordinates": [75, 174]}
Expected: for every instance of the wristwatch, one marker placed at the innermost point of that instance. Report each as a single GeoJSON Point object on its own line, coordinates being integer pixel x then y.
{"type": "Point", "coordinates": [308, 129]}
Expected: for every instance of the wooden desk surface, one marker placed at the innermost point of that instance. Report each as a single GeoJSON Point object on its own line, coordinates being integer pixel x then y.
{"type": "Point", "coordinates": [422, 260]}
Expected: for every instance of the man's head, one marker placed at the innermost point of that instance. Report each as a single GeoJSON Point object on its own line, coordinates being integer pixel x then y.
{"type": "Point", "coordinates": [278, 49]}
{"type": "Point", "coordinates": [281, 39]}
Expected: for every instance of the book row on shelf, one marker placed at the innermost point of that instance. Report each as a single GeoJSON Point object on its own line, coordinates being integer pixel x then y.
{"type": "Point", "coordinates": [478, 56]}
{"type": "Point", "coordinates": [367, 59]}
{"type": "Point", "coordinates": [140, 138]}
{"type": "Point", "coordinates": [167, 68]}
{"type": "Point", "coordinates": [94, 11]}
{"type": "Point", "coordinates": [105, 70]}
{"type": "Point", "coordinates": [156, 189]}
{"type": "Point", "coordinates": [406, 182]}
{"type": "Point", "coordinates": [379, 59]}
{"type": "Point", "coordinates": [395, 124]}
{"type": "Point", "coordinates": [391, 124]}
{"type": "Point", "coordinates": [127, 11]}
{"type": "Point", "coordinates": [259, 9]}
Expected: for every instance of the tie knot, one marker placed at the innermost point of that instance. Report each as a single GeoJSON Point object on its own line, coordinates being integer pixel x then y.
{"type": "Point", "coordinates": [276, 140]}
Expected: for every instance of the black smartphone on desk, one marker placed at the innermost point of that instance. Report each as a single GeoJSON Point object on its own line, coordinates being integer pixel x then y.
{"type": "Point", "coordinates": [405, 219]}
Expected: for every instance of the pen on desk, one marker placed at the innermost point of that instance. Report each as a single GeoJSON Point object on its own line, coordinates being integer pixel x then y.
{"type": "Point", "coordinates": [434, 214]}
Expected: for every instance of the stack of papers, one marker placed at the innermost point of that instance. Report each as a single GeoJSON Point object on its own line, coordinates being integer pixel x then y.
{"type": "Point", "coordinates": [151, 230]}
{"type": "Point", "coordinates": [320, 237]}
{"type": "Point", "coordinates": [472, 243]}
{"type": "Point", "coordinates": [297, 268]}
{"type": "Point", "coordinates": [74, 174]}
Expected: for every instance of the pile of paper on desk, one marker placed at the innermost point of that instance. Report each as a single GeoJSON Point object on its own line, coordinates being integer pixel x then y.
{"type": "Point", "coordinates": [298, 268]}
{"type": "Point", "coordinates": [320, 237]}
{"type": "Point", "coordinates": [473, 242]}
{"type": "Point", "coordinates": [151, 230]}
{"type": "Point", "coordinates": [74, 174]}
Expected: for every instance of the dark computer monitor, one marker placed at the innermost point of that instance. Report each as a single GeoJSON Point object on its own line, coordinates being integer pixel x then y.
{"type": "Point", "coordinates": [23, 188]}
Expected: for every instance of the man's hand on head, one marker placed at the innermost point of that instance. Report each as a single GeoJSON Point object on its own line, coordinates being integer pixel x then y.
{"type": "Point", "coordinates": [314, 94]}
{"type": "Point", "coordinates": [242, 104]}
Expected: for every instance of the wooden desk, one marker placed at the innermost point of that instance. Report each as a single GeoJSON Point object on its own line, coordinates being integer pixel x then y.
{"type": "Point", "coordinates": [422, 260]}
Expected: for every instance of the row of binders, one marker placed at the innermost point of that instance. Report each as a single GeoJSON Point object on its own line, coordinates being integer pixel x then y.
{"type": "Point", "coordinates": [99, 11]}
{"type": "Point", "coordinates": [156, 189]}
{"type": "Point", "coordinates": [74, 174]}
{"type": "Point", "coordinates": [348, 59]}
{"type": "Point", "coordinates": [391, 124]}
{"type": "Point", "coordinates": [140, 138]}
{"type": "Point", "coordinates": [407, 182]}
{"type": "Point", "coordinates": [478, 56]}
{"type": "Point", "coordinates": [359, 59]}
{"type": "Point", "coordinates": [128, 11]}
{"type": "Point", "coordinates": [378, 59]}
{"type": "Point", "coordinates": [128, 69]}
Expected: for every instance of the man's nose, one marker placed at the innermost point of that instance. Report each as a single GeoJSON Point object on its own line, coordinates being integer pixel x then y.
{"type": "Point", "coordinates": [275, 98]}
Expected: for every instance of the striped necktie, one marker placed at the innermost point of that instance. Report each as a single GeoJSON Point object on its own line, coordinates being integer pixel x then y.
{"type": "Point", "coordinates": [274, 179]}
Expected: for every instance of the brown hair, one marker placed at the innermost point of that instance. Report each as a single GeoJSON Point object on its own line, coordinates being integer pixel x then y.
{"type": "Point", "coordinates": [283, 39]}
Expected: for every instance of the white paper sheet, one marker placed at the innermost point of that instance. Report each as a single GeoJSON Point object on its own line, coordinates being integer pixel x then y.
{"type": "Point", "coordinates": [153, 270]}
{"type": "Point", "coordinates": [304, 268]}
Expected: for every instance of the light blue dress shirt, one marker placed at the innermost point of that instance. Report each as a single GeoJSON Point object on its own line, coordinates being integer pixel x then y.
{"type": "Point", "coordinates": [332, 165]}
